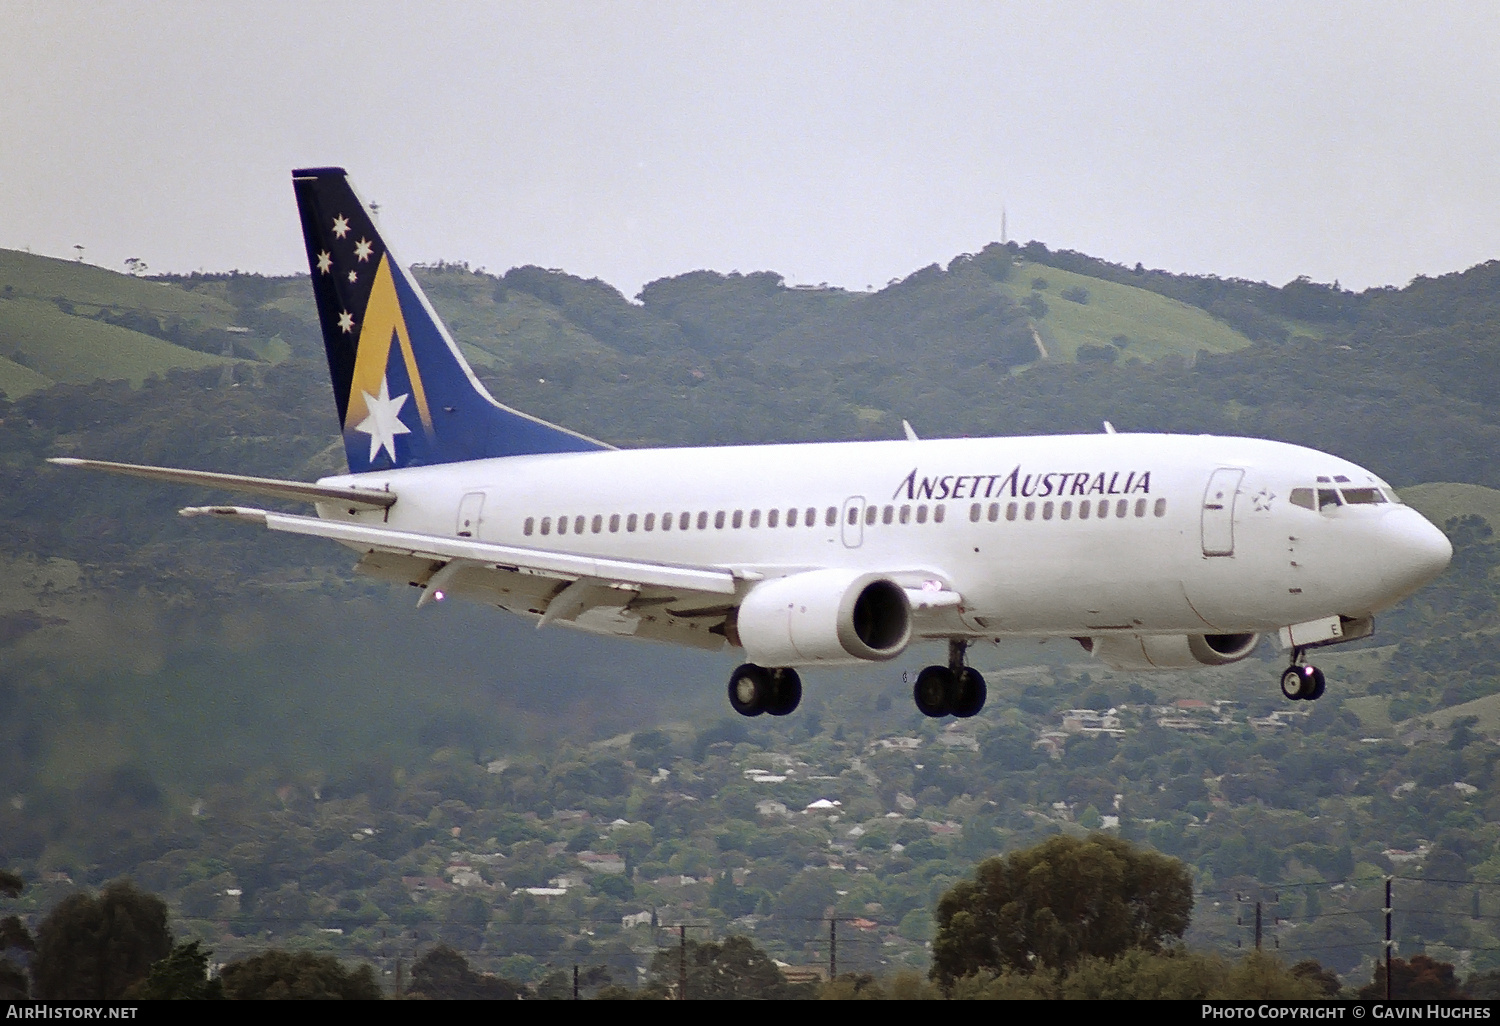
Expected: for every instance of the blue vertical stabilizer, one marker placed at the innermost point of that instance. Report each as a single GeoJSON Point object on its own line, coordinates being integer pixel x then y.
{"type": "Point", "coordinates": [406, 396]}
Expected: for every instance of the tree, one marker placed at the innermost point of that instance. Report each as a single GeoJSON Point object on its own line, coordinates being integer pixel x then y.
{"type": "Point", "coordinates": [13, 934]}
{"type": "Point", "coordinates": [444, 974]}
{"type": "Point", "coordinates": [181, 976]}
{"type": "Point", "coordinates": [1059, 901]}
{"type": "Point", "coordinates": [733, 971]}
{"type": "Point", "coordinates": [1424, 978]}
{"type": "Point", "coordinates": [303, 976]}
{"type": "Point", "coordinates": [95, 947]}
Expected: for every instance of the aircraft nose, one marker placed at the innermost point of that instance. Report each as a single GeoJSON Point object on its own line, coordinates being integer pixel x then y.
{"type": "Point", "coordinates": [1415, 551]}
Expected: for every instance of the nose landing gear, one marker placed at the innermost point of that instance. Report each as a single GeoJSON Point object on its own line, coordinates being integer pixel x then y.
{"type": "Point", "coordinates": [952, 690]}
{"type": "Point", "coordinates": [1301, 682]}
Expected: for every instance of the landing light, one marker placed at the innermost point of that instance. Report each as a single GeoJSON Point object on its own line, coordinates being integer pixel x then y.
{"type": "Point", "coordinates": [439, 595]}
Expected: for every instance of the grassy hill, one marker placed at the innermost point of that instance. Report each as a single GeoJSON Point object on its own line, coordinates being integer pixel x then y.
{"type": "Point", "coordinates": [1441, 501]}
{"type": "Point", "coordinates": [74, 323]}
{"type": "Point", "coordinates": [1139, 323]}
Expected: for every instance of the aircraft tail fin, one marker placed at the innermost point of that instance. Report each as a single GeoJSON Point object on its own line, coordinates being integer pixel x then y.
{"type": "Point", "coordinates": [406, 396]}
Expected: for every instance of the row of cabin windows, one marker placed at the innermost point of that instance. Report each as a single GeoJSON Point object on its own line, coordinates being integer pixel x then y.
{"type": "Point", "coordinates": [891, 514]}
{"type": "Point", "coordinates": [1100, 509]}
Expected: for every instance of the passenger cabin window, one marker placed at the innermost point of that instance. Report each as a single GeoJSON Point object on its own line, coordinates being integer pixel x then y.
{"type": "Point", "coordinates": [1161, 507]}
{"type": "Point", "coordinates": [703, 520]}
{"type": "Point", "coordinates": [755, 518]}
{"type": "Point", "coordinates": [871, 513]}
{"type": "Point", "coordinates": [922, 513]}
{"type": "Point", "coordinates": [939, 513]}
{"type": "Point", "coordinates": [831, 517]}
{"type": "Point", "coordinates": [974, 511]}
{"type": "Point", "coordinates": [530, 526]}
{"type": "Point", "coordinates": [773, 517]}
{"type": "Point", "coordinates": [578, 525]}
{"type": "Point", "coordinates": [1303, 497]}
{"type": "Point", "coordinates": [888, 515]}
{"type": "Point", "coordinates": [614, 523]}
{"type": "Point", "coordinates": [546, 525]}
{"type": "Point", "coordinates": [684, 521]}
{"type": "Point", "coordinates": [739, 519]}
{"type": "Point", "coordinates": [630, 523]}
{"type": "Point", "coordinates": [598, 524]}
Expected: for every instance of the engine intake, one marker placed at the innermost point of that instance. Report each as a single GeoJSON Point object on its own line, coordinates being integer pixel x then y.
{"type": "Point", "coordinates": [1170, 651]}
{"type": "Point", "coordinates": [824, 616]}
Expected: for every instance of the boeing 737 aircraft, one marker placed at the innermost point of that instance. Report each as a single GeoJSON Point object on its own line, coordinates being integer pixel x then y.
{"type": "Point", "coordinates": [1153, 551]}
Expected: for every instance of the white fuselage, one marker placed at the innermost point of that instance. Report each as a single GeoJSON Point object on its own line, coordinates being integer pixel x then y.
{"type": "Point", "coordinates": [1061, 535]}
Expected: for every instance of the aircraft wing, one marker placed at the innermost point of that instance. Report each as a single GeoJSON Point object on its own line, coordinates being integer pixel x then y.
{"type": "Point", "coordinates": [362, 498]}
{"type": "Point", "coordinates": [457, 553]}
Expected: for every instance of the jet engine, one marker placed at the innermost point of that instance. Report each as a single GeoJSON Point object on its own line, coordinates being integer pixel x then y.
{"type": "Point", "coordinates": [1169, 651]}
{"type": "Point", "coordinates": [823, 616]}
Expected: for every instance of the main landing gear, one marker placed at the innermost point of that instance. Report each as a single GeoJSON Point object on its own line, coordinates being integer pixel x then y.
{"type": "Point", "coordinates": [1301, 682]}
{"type": "Point", "coordinates": [754, 690]}
{"type": "Point", "coordinates": [952, 690]}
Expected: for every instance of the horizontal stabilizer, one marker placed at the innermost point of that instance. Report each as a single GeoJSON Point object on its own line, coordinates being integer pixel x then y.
{"type": "Point", "coordinates": [299, 490]}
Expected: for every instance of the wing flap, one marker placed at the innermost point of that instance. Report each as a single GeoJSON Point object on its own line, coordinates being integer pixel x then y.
{"type": "Point", "coordinates": [299, 490]}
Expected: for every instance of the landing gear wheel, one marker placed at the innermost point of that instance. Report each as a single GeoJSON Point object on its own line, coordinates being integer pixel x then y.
{"type": "Point", "coordinates": [934, 691]}
{"type": "Point", "coordinates": [1303, 683]}
{"type": "Point", "coordinates": [1318, 684]}
{"type": "Point", "coordinates": [969, 693]}
{"type": "Point", "coordinates": [750, 689]}
{"type": "Point", "coordinates": [786, 691]}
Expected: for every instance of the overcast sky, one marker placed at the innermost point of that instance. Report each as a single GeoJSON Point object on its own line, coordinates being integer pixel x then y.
{"type": "Point", "coordinates": [848, 142]}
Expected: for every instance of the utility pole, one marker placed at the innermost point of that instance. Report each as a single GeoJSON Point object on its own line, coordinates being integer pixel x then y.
{"type": "Point", "coordinates": [682, 963]}
{"type": "Point", "coordinates": [1388, 944]}
{"type": "Point", "coordinates": [1257, 926]}
{"type": "Point", "coordinates": [575, 981]}
{"type": "Point", "coordinates": [833, 949]}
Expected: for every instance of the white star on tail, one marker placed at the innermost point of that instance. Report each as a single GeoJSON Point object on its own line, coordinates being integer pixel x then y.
{"type": "Point", "coordinates": [346, 322]}
{"type": "Point", "coordinates": [384, 422]}
{"type": "Point", "coordinates": [362, 249]}
{"type": "Point", "coordinates": [341, 226]}
{"type": "Point", "coordinates": [325, 261]}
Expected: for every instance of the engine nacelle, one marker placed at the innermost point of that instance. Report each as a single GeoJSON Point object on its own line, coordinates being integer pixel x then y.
{"type": "Point", "coordinates": [1170, 651]}
{"type": "Point", "coordinates": [824, 616]}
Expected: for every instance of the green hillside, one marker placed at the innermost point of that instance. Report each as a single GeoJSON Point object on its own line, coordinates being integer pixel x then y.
{"type": "Point", "coordinates": [1441, 501]}
{"type": "Point", "coordinates": [63, 322]}
{"type": "Point", "coordinates": [1138, 323]}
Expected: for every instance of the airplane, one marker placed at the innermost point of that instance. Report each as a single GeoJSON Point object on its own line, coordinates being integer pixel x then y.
{"type": "Point", "coordinates": [1153, 551]}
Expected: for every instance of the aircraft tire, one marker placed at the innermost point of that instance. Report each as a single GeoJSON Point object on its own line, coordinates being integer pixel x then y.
{"type": "Point", "coordinates": [786, 691]}
{"type": "Point", "coordinates": [1302, 683]}
{"type": "Point", "coordinates": [1318, 685]}
{"type": "Point", "coordinates": [750, 689]}
{"type": "Point", "coordinates": [933, 691]}
{"type": "Point", "coordinates": [969, 693]}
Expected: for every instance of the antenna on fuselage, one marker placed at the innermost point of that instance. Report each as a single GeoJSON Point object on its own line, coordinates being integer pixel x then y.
{"type": "Point", "coordinates": [1109, 428]}
{"type": "Point", "coordinates": [911, 436]}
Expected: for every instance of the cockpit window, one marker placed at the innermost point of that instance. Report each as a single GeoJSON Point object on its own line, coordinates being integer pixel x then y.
{"type": "Point", "coordinates": [1328, 499]}
{"type": "Point", "coordinates": [1303, 497]}
{"type": "Point", "coordinates": [1363, 496]}
{"type": "Point", "coordinates": [1390, 493]}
